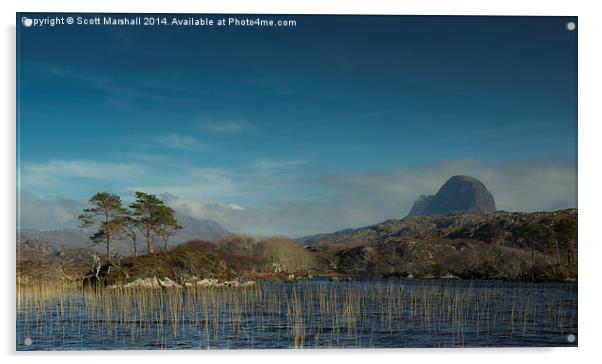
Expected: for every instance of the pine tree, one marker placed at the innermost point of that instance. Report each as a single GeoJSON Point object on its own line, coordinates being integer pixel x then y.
{"type": "Point", "coordinates": [152, 218]}
{"type": "Point", "coordinates": [166, 223]}
{"type": "Point", "coordinates": [106, 214]}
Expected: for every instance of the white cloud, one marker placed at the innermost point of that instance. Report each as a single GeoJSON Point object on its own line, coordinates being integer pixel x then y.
{"type": "Point", "coordinates": [287, 201]}
{"type": "Point", "coordinates": [161, 175]}
{"type": "Point", "coordinates": [516, 185]}
{"type": "Point", "coordinates": [191, 181]}
{"type": "Point", "coordinates": [81, 168]}
{"type": "Point", "coordinates": [228, 126]}
{"type": "Point", "coordinates": [48, 213]}
{"type": "Point", "coordinates": [177, 141]}
{"type": "Point", "coordinates": [354, 200]}
{"type": "Point", "coordinates": [271, 165]}
{"type": "Point", "coordinates": [54, 174]}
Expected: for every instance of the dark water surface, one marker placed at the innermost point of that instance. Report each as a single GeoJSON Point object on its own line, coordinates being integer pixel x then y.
{"type": "Point", "coordinates": [313, 314]}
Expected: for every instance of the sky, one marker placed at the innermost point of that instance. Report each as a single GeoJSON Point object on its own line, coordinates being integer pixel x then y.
{"type": "Point", "coordinates": [340, 121]}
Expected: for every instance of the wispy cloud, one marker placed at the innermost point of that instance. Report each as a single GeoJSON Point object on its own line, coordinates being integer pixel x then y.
{"type": "Point", "coordinates": [228, 126]}
{"type": "Point", "coordinates": [182, 142]}
{"type": "Point", "coordinates": [277, 164]}
{"type": "Point", "coordinates": [162, 174]}
{"type": "Point", "coordinates": [271, 196]}
{"type": "Point", "coordinates": [192, 181]}
{"type": "Point", "coordinates": [76, 177]}
{"type": "Point", "coordinates": [34, 173]}
{"type": "Point", "coordinates": [336, 62]}
{"type": "Point", "coordinates": [529, 185]}
{"type": "Point", "coordinates": [173, 141]}
{"type": "Point", "coordinates": [126, 87]}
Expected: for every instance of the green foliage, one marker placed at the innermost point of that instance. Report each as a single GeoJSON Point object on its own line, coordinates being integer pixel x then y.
{"type": "Point", "coordinates": [107, 215]}
{"type": "Point", "coordinates": [153, 219]}
{"type": "Point", "coordinates": [166, 223]}
{"type": "Point", "coordinates": [149, 216]}
{"type": "Point", "coordinates": [567, 234]}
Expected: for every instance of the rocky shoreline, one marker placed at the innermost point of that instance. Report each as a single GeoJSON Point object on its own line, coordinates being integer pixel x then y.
{"type": "Point", "coordinates": [210, 283]}
{"type": "Point", "coordinates": [167, 282]}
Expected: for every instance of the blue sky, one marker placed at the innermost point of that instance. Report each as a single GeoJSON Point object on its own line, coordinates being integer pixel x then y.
{"type": "Point", "coordinates": [291, 130]}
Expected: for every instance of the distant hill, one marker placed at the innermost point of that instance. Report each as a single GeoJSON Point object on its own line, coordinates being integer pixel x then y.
{"type": "Point", "coordinates": [42, 252]}
{"type": "Point", "coordinates": [459, 194]}
{"type": "Point", "coordinates": [310, 239]}
{"type": "Point", "coordinates": [203, 229]}
{"type": "Point", "coordinates": [77, 238]}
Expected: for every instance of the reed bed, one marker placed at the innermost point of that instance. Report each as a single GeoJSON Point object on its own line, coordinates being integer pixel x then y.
{"type": "Point", "coordinates": [381, 313]}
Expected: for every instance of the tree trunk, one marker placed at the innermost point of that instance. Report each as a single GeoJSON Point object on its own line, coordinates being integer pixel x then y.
{"type": "Point", "coordinates": [558, 252]}
{"type": "Point", "coordinates": [108, 237]}
{"type": "Point", "coordinates": [149, 241]}
{"type": "Point", "coordinates": [573, 255]}
{"type": "Point", "coordinates": [532, 254]}
{"type": "Point", "coordinates": [108, 249]}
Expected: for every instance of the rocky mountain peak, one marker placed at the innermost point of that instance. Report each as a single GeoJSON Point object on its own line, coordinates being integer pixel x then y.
{"type": "Point", "coordinates": [459, 194]}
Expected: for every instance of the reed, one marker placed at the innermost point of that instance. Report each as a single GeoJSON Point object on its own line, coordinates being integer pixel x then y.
{"type": "Point", "coordinates": [312, 314]}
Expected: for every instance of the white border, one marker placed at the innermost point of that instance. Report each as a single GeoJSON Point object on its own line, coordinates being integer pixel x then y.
{"type": "Point", "coordinates": [590, 206]}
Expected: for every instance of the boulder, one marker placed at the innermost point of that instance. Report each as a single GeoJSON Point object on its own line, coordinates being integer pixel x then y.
{"type": "Point", "coordinates": [168, 283]}
{"type": "Point", "coordinates": [207, 282]}
{"type": "Point", "coordinates": [143, 283]}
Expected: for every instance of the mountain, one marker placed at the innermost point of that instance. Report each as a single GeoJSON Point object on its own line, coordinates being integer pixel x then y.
{"type": "Point", "coordinates": [459, 194]}
{"type": "Point", "coordinates": [203, 229]}
{"type": "Point", "coordinates": [420, 205]}
{"type": "Point", "coordinates": [192, 228]}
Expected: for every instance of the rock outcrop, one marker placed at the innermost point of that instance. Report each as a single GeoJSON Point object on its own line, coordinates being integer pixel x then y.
{"type": "Point", "coordinates": [167, 282]}
{"type": "Point", "coordinates": [458, 195]}
{"type": "Point", "coordinates": [420, 205]}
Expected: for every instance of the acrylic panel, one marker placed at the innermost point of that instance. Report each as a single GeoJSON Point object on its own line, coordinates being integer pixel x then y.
{"type": "Point", "coordinates": [232, 181]}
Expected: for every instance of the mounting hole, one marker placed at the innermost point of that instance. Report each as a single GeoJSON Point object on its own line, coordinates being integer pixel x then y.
{"type": "Point", "coordinates": [571, 338]}
{"type": "Point", "coordinates": [27, 341]}
{"type": "Point", "coordinates": [27, 22]}
{"type": "Point", "coordinates": [570, 26]}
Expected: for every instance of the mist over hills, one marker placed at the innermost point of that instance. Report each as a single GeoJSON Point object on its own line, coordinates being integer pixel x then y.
{"type": "Point", "coordinates": [459, 194]}
{"type": "Point", "coordinates": [455, 232]}
{"type": "Point", "coordinates": [73, 238]}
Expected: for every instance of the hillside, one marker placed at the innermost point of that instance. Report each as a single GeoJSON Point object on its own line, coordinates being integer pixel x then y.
{"type": "Point", "coordinates": [40, 259]}
{"type": "Point", "coordinates": [510, 245]}
{"type": "Point", "coordinates": [64, 254]}
{"type": "Point", "coordinates": [539, 246]}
